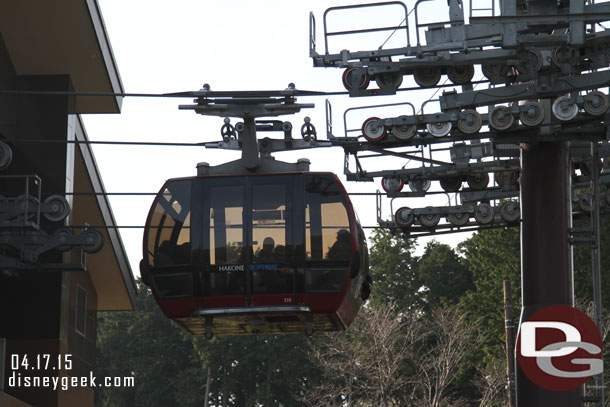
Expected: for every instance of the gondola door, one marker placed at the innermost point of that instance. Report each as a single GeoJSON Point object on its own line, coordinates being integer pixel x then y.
{"type": "Point", "coordinates": [224, 257]}
{"type": "Point", "coordinates": [272, 268]}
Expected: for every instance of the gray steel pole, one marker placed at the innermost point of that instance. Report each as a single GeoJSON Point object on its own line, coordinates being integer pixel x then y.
{"type": "Point", "coordinates": [546, 253]}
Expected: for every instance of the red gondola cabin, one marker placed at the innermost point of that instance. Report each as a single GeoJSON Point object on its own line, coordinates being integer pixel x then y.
{"type": "Point", "coordinates": [260, 253]}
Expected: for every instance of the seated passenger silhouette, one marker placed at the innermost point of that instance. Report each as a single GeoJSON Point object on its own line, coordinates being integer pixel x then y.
{"type": "Point", "coordinates": [265, 255]}
{"type": "Point", "coordinates": [166, 254]}
{"type": "Point", "coordinates": [342, 248]}
{"type": "Point", "coordinates": [279, 254]}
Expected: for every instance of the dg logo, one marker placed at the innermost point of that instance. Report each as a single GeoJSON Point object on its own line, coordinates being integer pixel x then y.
{"type": "Point", "coordinates": [559, 348]}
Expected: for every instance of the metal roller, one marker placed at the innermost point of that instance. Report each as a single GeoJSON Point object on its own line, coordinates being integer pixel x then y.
{"type": "Point", "coordinates": [58, 208]}
{"type": "Point", "coordinates": [564, 55]}
{"type": "Point", "coordinates": [532, 59]}
{"type": "Point", "coordinates": [427, 77]}
{"type": "Point", "coordinates": [348, 79]}
{"type": "Point", "coordinates": [458, 219]}
{"type": "Point", "coordinates": [533, 114]}
{"type": "Point", "coordinates": [63, 235]}
{"type": "Point", "coordinates": [472, 123]}
{"type": "Point", "coordinates": [373, 129]}
{"type": "Point", "coordinates": [429, 220]}
{"type": "Point", "coordinates": [404, 217]}
{"type": "Point", "coordinates": [478, 181]}
{"type": "Point", "coordinates": [460, 74]}
{"type": "Point", "coordinates": [496, 73]}
{"type": "Point", "coordinates": [404, 131]}
{"type": "Point", "coordinates": [388, 80]}
{"type": "Point", "coordinates": [563, 109]}
{"type": "Point", "coordinates": [501, 118]}
{"type": "Point", "coordinates": [484, 213]}
{"type": "Point", "coordinates": [6, 155]}
{"type": "Point", "coordinates": [439, 129]}
{"type": "Point", "coordinates": [507, 180]}
{"type": "Point", "coordinates": [392, 185]}
{"type": "Point", "coordinates": [420, 185]}
{"type": "Point", "coordinates": [510, 212]}
{"type": "Point", "coordinates": [596, 103]}
{"type": "Point", "coordinates": [94, 240]}
{"type": "Point", "coordinates": [451, 183]}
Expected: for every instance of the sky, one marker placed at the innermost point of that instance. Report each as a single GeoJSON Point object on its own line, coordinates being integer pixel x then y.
{"type": "Point", "coordinates": [162, 46]}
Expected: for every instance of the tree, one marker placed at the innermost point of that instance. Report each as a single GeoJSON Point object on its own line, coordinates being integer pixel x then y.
{"type": "Point", "coordinates": [492, 256]}
{"type": "Point", "coordinates": [146, 345]}
{"type": "Point", "coordinates": [388, 360]}
{"type": "Point", "coordinates": [256, 370]}
{"type": "Point", "coordinates": [490, 381]}
{"type": "Point", "coordinates": [170, 368]}
{"type": "Point", "coordinates": [437, 363]}
{"type": "Point", "coordinates": [443, 275]}
{"type": "Point", "coordinates": [394, 273]}
{"type": "Point", "coordinates": [365, 363]}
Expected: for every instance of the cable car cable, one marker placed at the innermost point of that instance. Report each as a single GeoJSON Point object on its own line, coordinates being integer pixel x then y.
{"type": "Point", "coordinates": [102, 142]}
{"type": "Point", "coordinates": [212, 94]}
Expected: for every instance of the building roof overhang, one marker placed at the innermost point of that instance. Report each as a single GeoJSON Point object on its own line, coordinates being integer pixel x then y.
{"type": "Point", "coordinates": [63, 37]}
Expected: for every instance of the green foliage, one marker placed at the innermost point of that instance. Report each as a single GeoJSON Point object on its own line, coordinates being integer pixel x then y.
{"type": "Point", "coordinates": [170, 368]}
{"type": "Point", "coordinates": [267, 370]}
{"type": "Point", "coordinates": [492, 256]}
{"type": "Point", "coordinates": [146, 345]}
{"type": "Point", "coordinates": [443, 275]}
{"type": "Point", "coordinates": [394, 273]}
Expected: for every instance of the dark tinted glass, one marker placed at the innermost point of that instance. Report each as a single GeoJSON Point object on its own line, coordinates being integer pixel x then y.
{"type": "Point", "coordinates": [271, 218]}
{"type": "Point", "coordinates": [168, 240]}
{"type": "Point", "coordinates": [327, 228]}
{"type": "Point", "coordinates": [328, 240]}
{"type": "Point", "coordinates": [226, 236]}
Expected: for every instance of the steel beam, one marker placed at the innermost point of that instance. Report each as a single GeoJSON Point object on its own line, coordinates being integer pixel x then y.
{"type": "Point", "coordinates": [546, 254]}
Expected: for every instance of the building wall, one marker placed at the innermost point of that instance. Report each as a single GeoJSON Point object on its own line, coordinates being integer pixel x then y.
{"type": "Point", "coordinates": [38, 309]}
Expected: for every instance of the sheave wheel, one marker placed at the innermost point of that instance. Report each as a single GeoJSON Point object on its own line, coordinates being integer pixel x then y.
{"type": "Point", "coordinates": [478, 181]}
{"type": "Point", "coordinates": [501, 118]}
{"type": "Point", "coordinates": [484, 213]}
{"type": "Point", "coordinates": [429, 220]}
{"type": "Point", "coordinates": [533, 115]}
{"type": "Point", "coordinates": [349, 78]}
{"type": "Point", "coordinates": [596, 103]}
{"type": "Point", "coordinates": [563, 109]}
{"type": "Point", "coordinates": [427, 77]}
{"type": "Point", "coordinates": [458, 219]}
{"type": "Point", "coordinates": [509, 211]}
{"type": "Point", "coordinates": [440, 129]}
{"type": "Point", "coordinates": [373, 129]}
{"type": "Point", "coordinates": [392, 185]}
{"type": "Point", "coordinates": [471, 124]}
{"type": "Point", "coordinates": [404, 217]}
{"type": "Point", "coordinates": [388, 80]}
{"type": "Point", "coordinates": [460, 74]}
{"type": "Point", "coordinates": [404, 131]}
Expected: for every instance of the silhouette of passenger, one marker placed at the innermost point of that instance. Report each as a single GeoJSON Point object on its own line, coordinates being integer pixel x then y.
{"type": "Point", "coordinates": [279, 254]}
{"type": "Point", "coordinates": [266, 253]}
{"type": "Point", "coordinates": [342, 248]}
{"type": "Point", "coordinates": [166, 254]}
